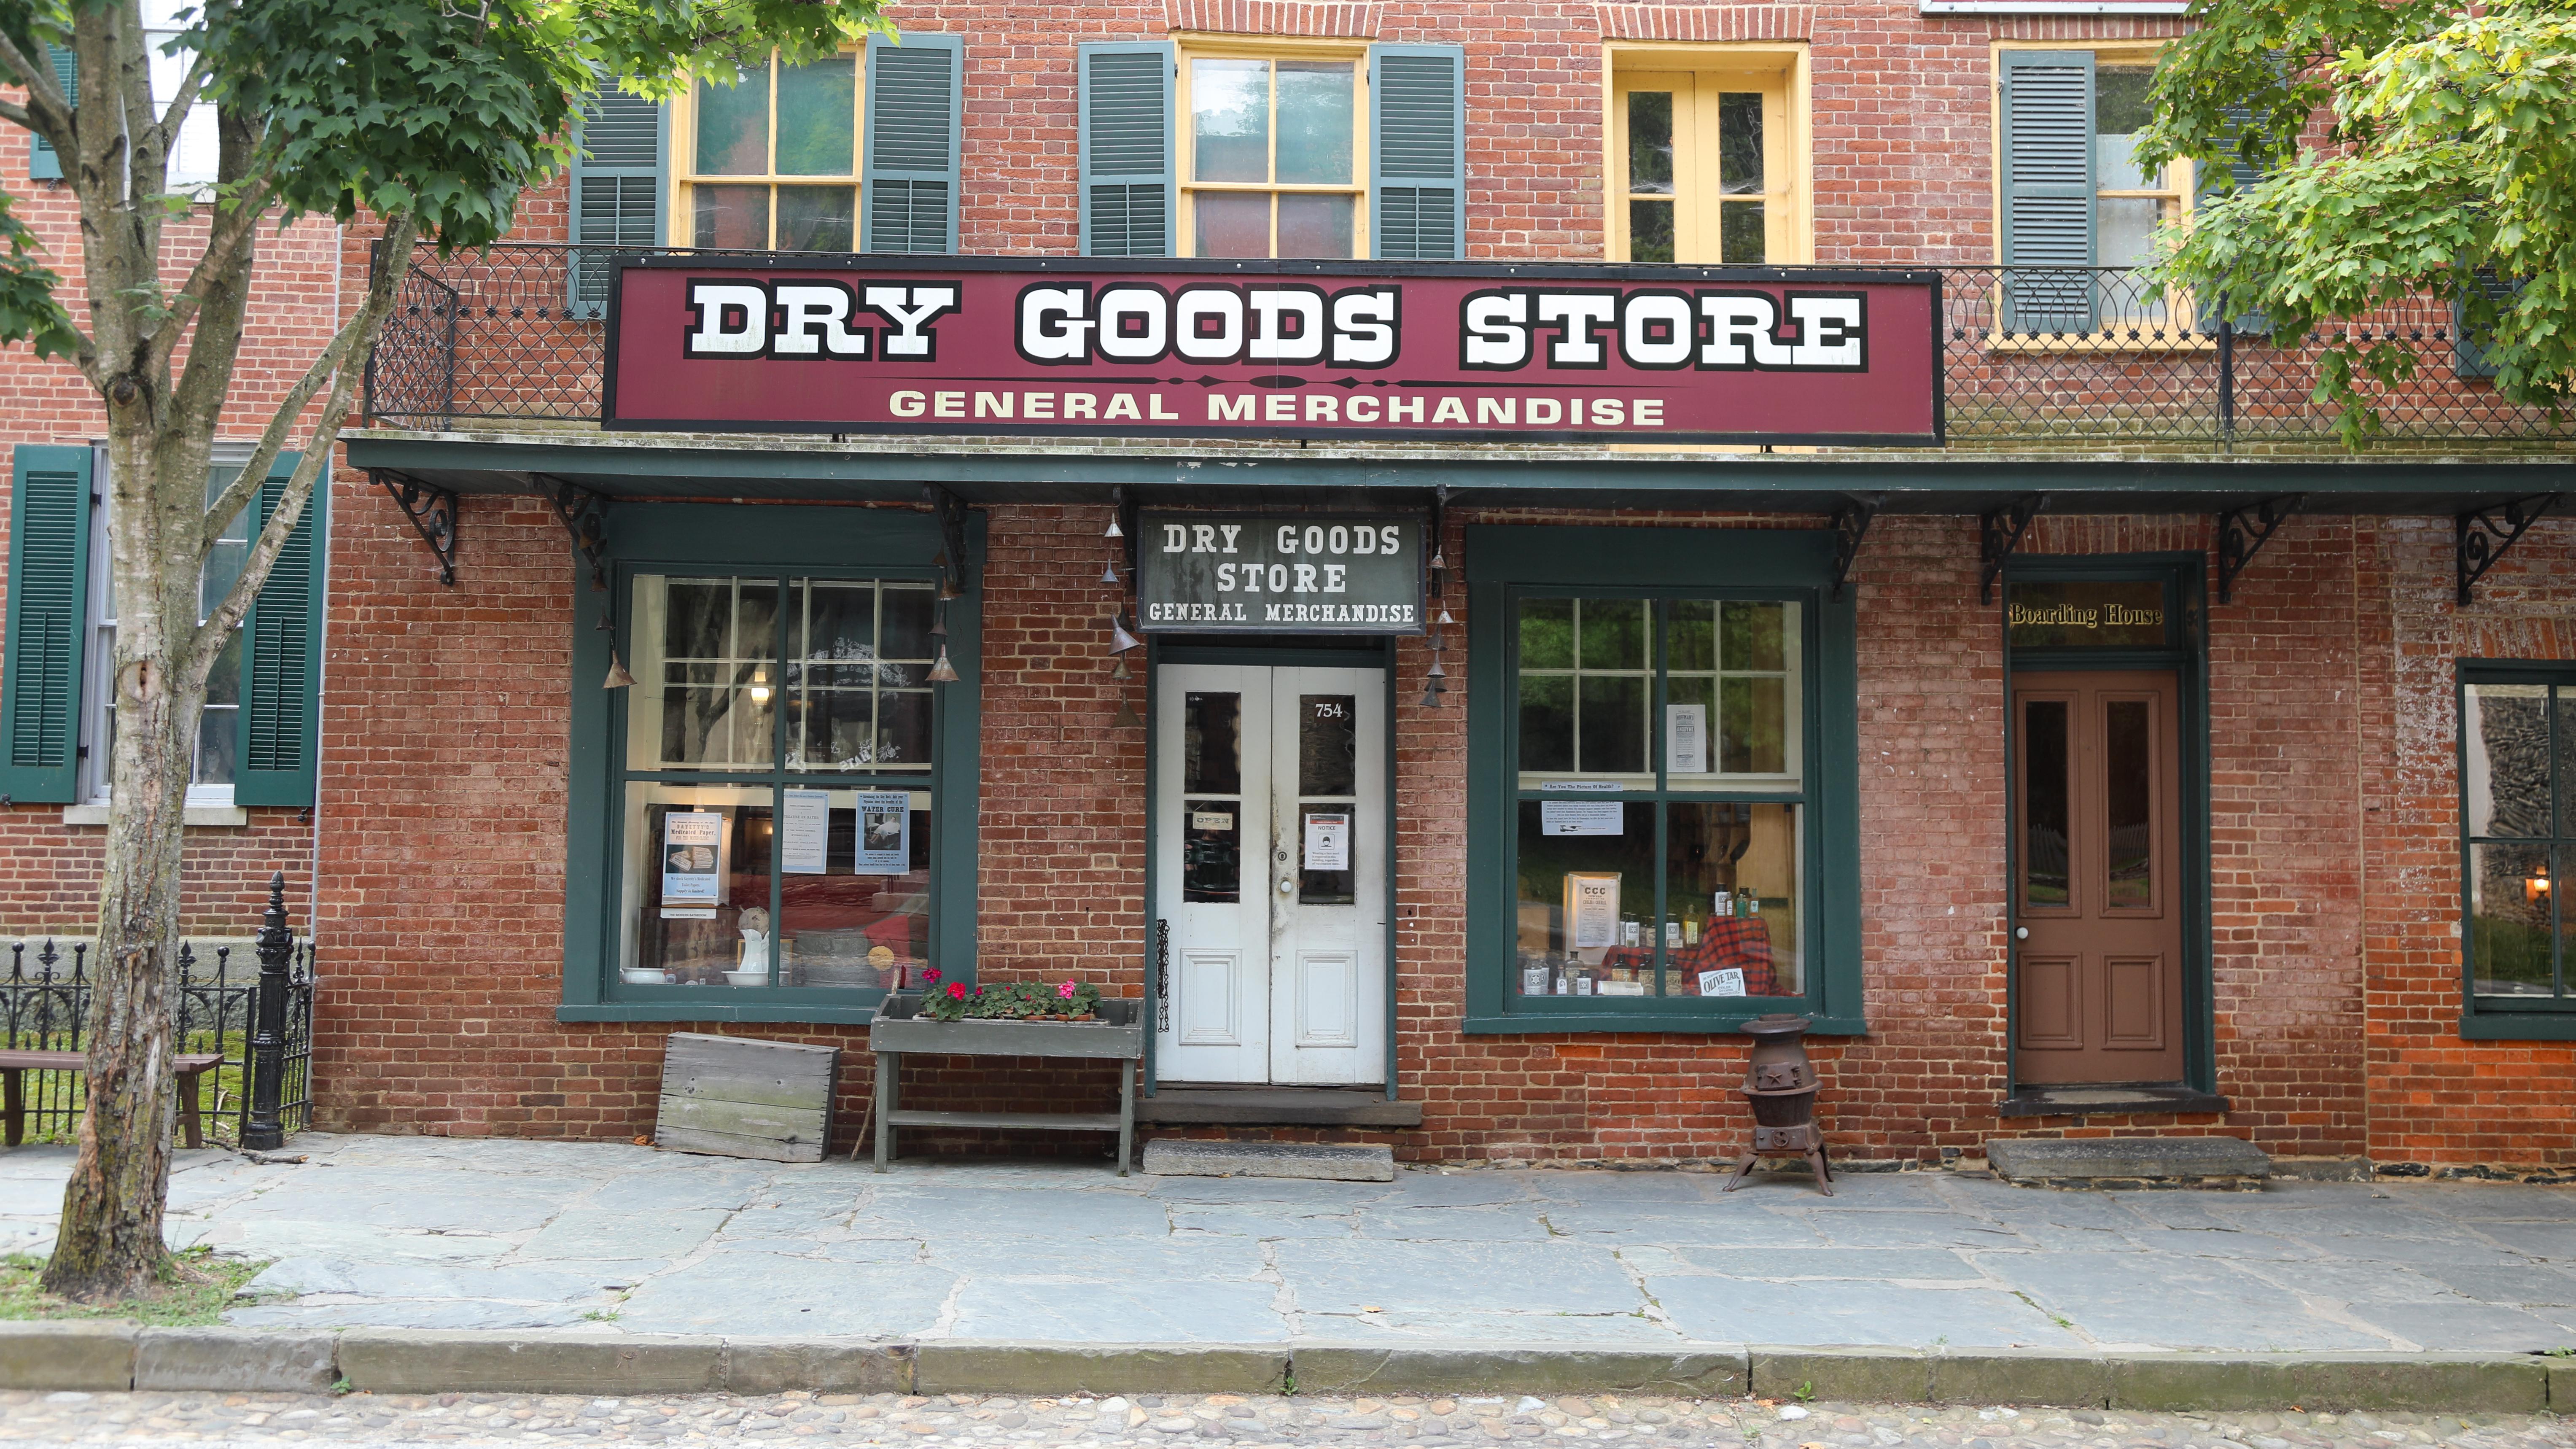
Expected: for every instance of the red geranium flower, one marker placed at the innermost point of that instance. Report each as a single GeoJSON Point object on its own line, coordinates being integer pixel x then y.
{"type": "Point", "coordinates": [929, 974]}
{"type": "Point", "coordinates": [957, 991]}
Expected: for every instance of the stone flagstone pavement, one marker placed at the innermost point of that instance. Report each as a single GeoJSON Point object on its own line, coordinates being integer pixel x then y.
{"type": "Point", "coordinates": [416, 1232]}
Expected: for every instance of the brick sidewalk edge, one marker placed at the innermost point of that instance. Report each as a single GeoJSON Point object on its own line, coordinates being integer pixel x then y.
{"type": "Point", "coordinates": [115, 1356]}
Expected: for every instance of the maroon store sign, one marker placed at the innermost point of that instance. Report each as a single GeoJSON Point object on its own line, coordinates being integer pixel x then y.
{"type": "Point", "coordinates": [986, 345]}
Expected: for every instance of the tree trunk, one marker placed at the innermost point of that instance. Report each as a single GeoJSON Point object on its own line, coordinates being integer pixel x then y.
{"type": "Point", "coordinates": [110, 1244]}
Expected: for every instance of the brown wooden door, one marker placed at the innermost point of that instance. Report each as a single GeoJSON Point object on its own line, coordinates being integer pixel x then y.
{"type": "Point", "coordinates": [2097, 911]}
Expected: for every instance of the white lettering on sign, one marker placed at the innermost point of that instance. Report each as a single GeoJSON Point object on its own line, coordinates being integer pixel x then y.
{"type": "Point", "coordinates": [1209, 322]}
{"type": "Point", "coordinates": [1711, 329]}
{"type": "Point", "coordinates": [815, 319]}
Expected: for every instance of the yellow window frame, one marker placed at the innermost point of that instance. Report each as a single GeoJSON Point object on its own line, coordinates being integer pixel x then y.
{"type": "Point", "coordinates": [1696, 75]}
{"type": "Point", "coordinates": [1204, 47]}
{"type": "Point", "coordinates": [685, 176]}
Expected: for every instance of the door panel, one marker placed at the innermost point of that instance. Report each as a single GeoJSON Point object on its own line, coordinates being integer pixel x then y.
{"type": "Point", "coordinates": [2096, 984]}
{"type": "Point", "coordinates": [1272, 870]}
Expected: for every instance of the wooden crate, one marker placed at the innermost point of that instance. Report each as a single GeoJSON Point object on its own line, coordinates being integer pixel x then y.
{"type": "Point", "coordinates": [738, 1097]}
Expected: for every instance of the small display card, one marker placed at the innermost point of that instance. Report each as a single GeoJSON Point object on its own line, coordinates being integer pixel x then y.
{"type": "Point", "coordinates": [1686, 739]}
{"type": "Point", "coordinates": [692, 864]}
{"type": "Point", "coordinates": [1328, 842]}
{"type": "Point", "coordinates": [885, 832]}
{"type": "Point", "coordinates": [1211, 820]}
{"type": "Point", "coordinates": [806, 832]}
{"type": "Point", "coordinates": [1728, 982]}
{"type": "Point", "coordinates": [1591, 910]}
{"type": "Point", "coordinates": [1578, 817]}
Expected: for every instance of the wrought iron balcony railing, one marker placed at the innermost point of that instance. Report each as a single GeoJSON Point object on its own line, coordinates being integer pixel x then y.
{"type": "Point", "coordinates": [2032, 357]}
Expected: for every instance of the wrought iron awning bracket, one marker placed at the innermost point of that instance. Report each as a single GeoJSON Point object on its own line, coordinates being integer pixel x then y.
{"type": "Point", "coordinates": [951, 513]}
{"type": "Point", "coordinates": [584, 516]}
{"type": "Point", "coordinates": [2242, 532]}
{"type": "Point", "coordinates": [431, 509]}
{"type": "Point", "coordinates": [1852, 518]}
{"type": "Point", "coordinates": [2481, 537]}
{"type": "Point", "coordinates": [1998, 534]}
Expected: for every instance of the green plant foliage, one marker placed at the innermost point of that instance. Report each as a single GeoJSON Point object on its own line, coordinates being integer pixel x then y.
{"type": "Point", "coordinates": [2446, 167]}
{"type": "Point", "coordinates": [1009, 1000]}
{"type": "Point", "coordinates": [28, 311]}
{"type": "Point", "coordinates": [196, 1287]}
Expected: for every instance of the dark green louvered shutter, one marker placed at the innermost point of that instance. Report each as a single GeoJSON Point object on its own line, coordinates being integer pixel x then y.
{"type": "Point", "coordinates": [42, 162]}
{"type": "Point", "coordinates": [1417, 152]}
{"type": "Point", "coordinates": [282, 656]}
{"type": "Point", "coordinates": [2048, 190]}
{"type": "Point", "coordinates": [2469, 356]}
{"type": "Point", "coordinates": [49, 518]}
{"type": "Point", "coordinates": [1126, 170]}
{"type": "Point", "coordinates": [617, 191]}
{"type": "Point", "coordinates": [916, 92]}
{"type": "Point", "coordinates": [2227, 174]}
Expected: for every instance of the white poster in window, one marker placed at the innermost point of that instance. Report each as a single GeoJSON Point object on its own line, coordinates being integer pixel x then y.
{"type": "Point", "coordinates": [805, 832]}
{"type": "Point", "coordinates": [1328, 842]}
{"type": "Point", "coordinates": [1729, 982]}
{"type": "Point", "coordinates": [1591, 910]}
{"type": "Point", "coordinates": [885, 832]}
{"type": "Point", "coordinates": [1686, 739]}
{"type": "Point", "coordinates": [692, 864]}
{"type": "Point", "coordinates": [1578, 817]}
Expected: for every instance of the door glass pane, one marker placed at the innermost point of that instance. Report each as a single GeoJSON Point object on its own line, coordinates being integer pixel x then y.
{"type": "Point", "coordinates": [1731, 906]}
{"type": "Point", "coordinates": [1614, 634]}
{"type": "Point", "coordinates": [1547, 722]}
{"type": "Point", "coordinates": [1650, 231]}
{"type": "Point", "coordinates": [1315, 128]}
{"type": "Point", "coordinates": [1233, 223]}
{"type": "Point", "coordinates": [1229, 121]}
{"type": "Point", "coordinates": [1212, 742]}
{"type": "Point", "coordinates": [1753, 726]}
{"type": "Point", "coordinates": [1740, 238]}
{"type": "Point", "coordinates": [817, 117]}
{"type": "Point", "coordinates": [2046, 809]}
{"type": "Point", "coordinates": [733, 126]}
{"type": "Point", "coordinates": [697, 861]}
{"type": "Point", "coordinates": [1585, 905]}
{"type": "Point", "coordinates": [2504, 729]}
{"type": "Point", "coordinates": [1547, 633]}
{"type": "Point", "coordinates": [1650, 142]}
{"type": "Point", "coordinates": [1211, 850]}
{"type": "Point", "coordinates": [2510, 895]}
{"type": "Point", "coordinates": [2129, 772]}
{"type": "Point", "coordinates": [816, 218]}
{"type": "Point", "coordinates": [730, 216]}
{"type": "Point", "coordinates": [863, 918]}
{"type": "Point", "coordinates": [1612, 740]}
{"type": "Point", "coordinates": [1739, 143]}
{"type": "Point", "coordinates": [1315, 226]}
{"type": "Point", "coordinates": [1327, 744]}
{"type": "Point", "coordinates": [1326, 834]}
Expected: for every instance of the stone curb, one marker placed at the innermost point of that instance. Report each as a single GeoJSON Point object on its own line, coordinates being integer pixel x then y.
{"type": "Point", "coordinates": [110, 1356]}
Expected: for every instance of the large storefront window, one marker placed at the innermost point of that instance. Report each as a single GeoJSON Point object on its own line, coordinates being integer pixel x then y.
{"type": "Point", "coordinates": [785, 808]}
{"type": "Point", "coordinates": [1659, 741]}
{"type": "Point", "coordinates": [2518, 827]}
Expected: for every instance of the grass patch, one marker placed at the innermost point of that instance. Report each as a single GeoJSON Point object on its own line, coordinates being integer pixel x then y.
{"type": "Point", "coordinates": [196, 1288]}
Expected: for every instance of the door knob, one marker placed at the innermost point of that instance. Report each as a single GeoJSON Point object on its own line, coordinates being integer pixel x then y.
{"type": "Point", "coordinates": [1287, 886]}
{"type": "Point", "coordinates": [2021, 933]}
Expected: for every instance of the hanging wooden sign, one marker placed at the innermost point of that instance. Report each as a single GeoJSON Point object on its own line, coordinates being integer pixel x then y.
{"type": "Point", "coordinates": [1276, 573]}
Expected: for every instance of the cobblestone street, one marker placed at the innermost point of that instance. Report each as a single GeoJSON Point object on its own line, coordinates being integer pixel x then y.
{"type": "Point", "coordinates": [142, 1419]}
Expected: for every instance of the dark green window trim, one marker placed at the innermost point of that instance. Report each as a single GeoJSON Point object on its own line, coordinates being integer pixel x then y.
{"type": "Point", "coordinates": [710, 538]}
{"type": "Point", "coordinates": [2509, 1018]}
{"type": "Point", "coordinates": [1663, 563]}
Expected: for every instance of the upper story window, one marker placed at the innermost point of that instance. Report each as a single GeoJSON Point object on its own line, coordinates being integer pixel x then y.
{"type": "Point", "coordinates": [1229, 147]}
{"type": "Point", "coordinates": [1705, 157]}
{"type": "Point", "coordinates": [2518, 834]}
{"type": "Point", "coordinates": [2073, 194]}
{"type": "Point", "coordinates": [218, 733]}
{"type": "Point", "coordinates": [1275, 156]}
{"type": "Point", "coordinates": [774, 159]}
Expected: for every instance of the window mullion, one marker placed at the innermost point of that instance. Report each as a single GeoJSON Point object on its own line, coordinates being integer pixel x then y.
{"type": "Point", "coordinates": [1658, 633]}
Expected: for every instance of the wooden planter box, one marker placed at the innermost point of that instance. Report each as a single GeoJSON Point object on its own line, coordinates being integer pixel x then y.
{"type": "Point", "coordinates": [900, 1028]}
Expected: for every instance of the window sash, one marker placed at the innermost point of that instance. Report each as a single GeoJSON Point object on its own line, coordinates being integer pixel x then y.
{"type": "Point", "coordinates": [1185, 140]}
{"type": "Point", "coordinates": [1699, 203]}
{"type": "Point", "coordinates": [2554, 849]}
{"type": "Point", "coordinates": [98, 732]}
{"type": "Point", "coordinates": [686, 175]}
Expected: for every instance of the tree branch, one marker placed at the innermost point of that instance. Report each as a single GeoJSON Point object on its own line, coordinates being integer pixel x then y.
{"type": "Point", "coordinates": [346, 356]}
{"type": "Point", "coordinates": [167, 128]}
{"type": "Point", "coordinates": [43, 91]}
{"type": "Point", "coordinates": [225, 258]}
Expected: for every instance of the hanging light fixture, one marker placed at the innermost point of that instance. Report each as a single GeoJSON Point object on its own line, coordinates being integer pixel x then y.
{"type": "Point", "coordinates": [1114, 530]}
{"type": "Point", "coordinates": [760, 686]}
{"type": "Point", "coordinates": [617, 678]}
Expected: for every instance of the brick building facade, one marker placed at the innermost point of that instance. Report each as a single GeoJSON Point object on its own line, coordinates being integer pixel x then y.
{"type": "Point", "coordinates": [481, 808]}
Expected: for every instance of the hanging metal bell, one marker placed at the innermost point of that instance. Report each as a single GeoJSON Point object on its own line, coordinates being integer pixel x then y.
{"type": "Point", "coordinates": [1109, 574]}
{"type": "Point", "coordinates": [1114, 530]}
{"type": "Point", "coordinates": [941, 671]}
{"type": "Point", "coordinates": [1120, 670]}
{"type": "Point", "coordinates": [617, 678]}
{"type": "Point", "coordinates": [1120, 641]}
{"type": "Point", "coordinates": [1127, 716]}
{"type": "Point", "coordinates": [1436, 672]}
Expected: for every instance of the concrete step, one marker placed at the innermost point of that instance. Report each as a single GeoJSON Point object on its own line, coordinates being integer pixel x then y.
{"type": "Point", "coordinates": [1182, 1157]}
{"type": "Point", "coordinates": [1279, 1106]}
{"type": "Point", "coordinates": [2129, 1162]}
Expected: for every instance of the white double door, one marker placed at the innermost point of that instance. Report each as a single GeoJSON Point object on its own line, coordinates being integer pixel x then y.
{"type": "Point", "coordinates": [1270, 828]}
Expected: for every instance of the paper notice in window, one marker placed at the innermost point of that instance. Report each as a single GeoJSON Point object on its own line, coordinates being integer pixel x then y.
{"type": "Point", "coordinates": [885, 832]}
{"type": "Point", "coordinates": [1591, 910]}
{"type": "Point", "coordinates": [692, 861]}
{"type": "Point", "coordinates": [1578, 817]}
{"type": "Point", "coordinates": [805, 832]}
{"type": "Point", "coordinates": [1328, 842]}
{"type": "Point", "coordinates": [1686, 739]}
{"type": "Point", "coordinates": [1729, 982]}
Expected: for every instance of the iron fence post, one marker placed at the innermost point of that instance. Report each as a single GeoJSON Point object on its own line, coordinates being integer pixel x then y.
{"type": "Point", "coordinates": [264, 1132]}
{"type": "Point", "coordinates": [2226, 379]}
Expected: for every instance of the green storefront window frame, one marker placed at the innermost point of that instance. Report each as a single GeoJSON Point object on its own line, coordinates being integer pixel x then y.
{"type": "Point", "coordinates": [772, 542]}
{"type": "Point", "coordinates": [1505, 563]}
{"type": "Point", "coordinates": [2508, 1018]}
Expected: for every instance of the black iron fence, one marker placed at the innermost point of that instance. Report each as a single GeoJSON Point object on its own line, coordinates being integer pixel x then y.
{"type": "Point", "coordinates": [2061, 356]}
{"type": "Point", "coordinates": [44, 1006]}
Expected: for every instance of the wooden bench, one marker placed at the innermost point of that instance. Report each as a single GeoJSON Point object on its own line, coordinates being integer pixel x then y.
{"type": "Point", "coordinates": [15, 1063]}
